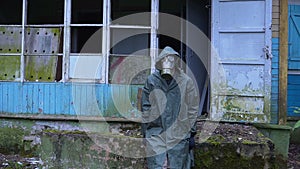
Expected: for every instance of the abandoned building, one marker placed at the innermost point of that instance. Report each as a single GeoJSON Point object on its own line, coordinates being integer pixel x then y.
{"type": "Point", "coordinates": [86, 60]}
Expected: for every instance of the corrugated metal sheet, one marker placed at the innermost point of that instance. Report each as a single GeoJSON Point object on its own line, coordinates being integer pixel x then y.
{"type": "Point", "coordinates": [81, 99]}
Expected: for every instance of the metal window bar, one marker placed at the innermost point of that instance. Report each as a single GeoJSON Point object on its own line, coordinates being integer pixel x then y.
{"type": "Point", "coordinates": [10, 54]}
{"type": "Point", "coordinates": [85, 54]}
{"type": "Point", "coordinates": [86, 25]}
{"type": "Point", "coordinates": [24, 22]}
{"type": "Point", "coordinates": [154, 27]}
{"type": "Point", "coordinates": [66, 41]}
{"type": "Point", "coordinates": [43, 54]}
{"type": "Point", "coordinates": [126, 55]}
{"type": "Point", "coordinates": [130, 26]}
{"type": "Point", "coordinates": [45, 26]}
{"type": "Point", "coordinates": [106, 38]}
{"type": "Point", "coordinates": [10, 25]}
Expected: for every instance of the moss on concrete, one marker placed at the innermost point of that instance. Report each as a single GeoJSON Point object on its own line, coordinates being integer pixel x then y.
{"type": "Point", "coordinates": [226, 155]}
{"type": "Point", "coordinates": [11, 140]}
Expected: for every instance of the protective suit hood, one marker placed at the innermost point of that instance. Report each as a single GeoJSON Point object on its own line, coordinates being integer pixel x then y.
{"type": "Point", "coordinates": [165, 52]}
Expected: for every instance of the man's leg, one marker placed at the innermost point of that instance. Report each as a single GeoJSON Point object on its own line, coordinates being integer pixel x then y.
{"type": "Point", "coordinates": [157, 161]}
{"type": "Point", "coordinates": [178, 155]}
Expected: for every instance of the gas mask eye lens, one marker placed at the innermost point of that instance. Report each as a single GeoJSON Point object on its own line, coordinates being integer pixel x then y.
{"type": "Point", "coordinates": [171, 58]}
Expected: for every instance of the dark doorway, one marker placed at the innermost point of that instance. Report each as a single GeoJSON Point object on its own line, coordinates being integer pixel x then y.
{"type": "Point", "coordinates": [198, 14]}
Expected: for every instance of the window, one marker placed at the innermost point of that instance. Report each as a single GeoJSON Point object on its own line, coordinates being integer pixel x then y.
{"type": "Point", "coordinates": [76, 40]}
{"type": "Point", "coordinates": [86, 58]}
{"type": "Point", "coordinates": [10, 39]}
{"type": "Point", "coordinates": [130, 39]}
{"type": "Point", "coordinates": [43, 42]}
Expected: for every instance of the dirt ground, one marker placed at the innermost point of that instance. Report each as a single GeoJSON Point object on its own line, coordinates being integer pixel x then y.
{"type": "Point", "coordinates": [294, 156]}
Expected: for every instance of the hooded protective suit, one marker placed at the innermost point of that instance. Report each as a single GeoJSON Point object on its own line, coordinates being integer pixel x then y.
{"type": "Point", "coordinates": [169, 117]}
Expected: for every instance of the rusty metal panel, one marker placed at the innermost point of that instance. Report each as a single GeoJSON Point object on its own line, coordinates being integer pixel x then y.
{"type": "Point", "coordinates": [10, 43]}
{"type": "Point", "coordinates": [41, 48]}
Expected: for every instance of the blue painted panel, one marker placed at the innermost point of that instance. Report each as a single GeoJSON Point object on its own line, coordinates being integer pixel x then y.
{"type": "Point", "coordinates": [100, 95]}
{"type": "Point", "coordinates": [5, 97]}
{"type": "Point", "coordinates": [10, 98]}
{"type": "Point", "coordinates": [294, 37]}
{"type": "Point", "coordinates": [274, 88]}
{"type": "Point", "coordinates": [41, 101]}
{"type": "Point", "coordinates": [30, 98]}
{"type": "Point", "coordinates": [1, 97]}
{"type": "Point", "coordinates": [294, 60]}
{"type": "Point", "coordinates": [16, 98]}
{"type": "Point", "coordinates": [65, 99]}
{"type": "Point", "coordinates": [293, 95]}
{"type": "Point", "coordinates": [35, 99]}
{"type": "Point", "coordinates": [46, 94]}
{"type": "Point", "coordinates": [58, 99]}
{"type": "Point", "coordinates": [69, 89]}
{"type": "Point", "coordinates": [68, 99]}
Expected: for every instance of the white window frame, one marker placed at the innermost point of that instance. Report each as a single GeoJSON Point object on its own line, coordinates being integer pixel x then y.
{"type": "Point", "coordinates": [67, 25]}
{"type": "Point", "coordinates": [107, 26]}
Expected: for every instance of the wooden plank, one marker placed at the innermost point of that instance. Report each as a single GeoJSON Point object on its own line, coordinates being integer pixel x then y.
{"type": "Point", "coordinates": [29, 98]}
{"type": "Point", "coordinates": [35, 98]}
{"type": "Point", "coordinates": [276, 2]}
{"type": "Point", "coordinates": [283, 54]}
{"type": "Point", "coordinates": [58, 99]}
{"type": "Point", "coordinates": [41, 99]}
{"type": "Point", "coordinates": [275, 21]}
{"type": "Point", "coordinates": [275, 34]}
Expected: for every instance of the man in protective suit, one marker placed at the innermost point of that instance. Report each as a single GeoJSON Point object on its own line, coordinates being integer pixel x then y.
{"type": "Point", "coordinates": [169, 105]}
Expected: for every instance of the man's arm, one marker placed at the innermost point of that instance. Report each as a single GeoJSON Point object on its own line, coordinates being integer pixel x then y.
{"type": "Point", "coordinates": [193, 105]}
{"type": "Point", "coordinates": [145, 106]}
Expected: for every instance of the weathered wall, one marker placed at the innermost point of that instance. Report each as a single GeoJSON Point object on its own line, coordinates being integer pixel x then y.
{"type": "Point", "coordinates": [275, 59]}
{"type": "Point", "coordinates": [70, 99]}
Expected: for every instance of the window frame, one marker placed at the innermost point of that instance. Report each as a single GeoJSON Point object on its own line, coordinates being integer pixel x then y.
{"type": "Point", "coordinates": [66, 26]}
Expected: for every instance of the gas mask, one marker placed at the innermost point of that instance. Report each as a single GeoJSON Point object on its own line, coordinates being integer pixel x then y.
{"type": "Point", "coordinates": [168, 66]}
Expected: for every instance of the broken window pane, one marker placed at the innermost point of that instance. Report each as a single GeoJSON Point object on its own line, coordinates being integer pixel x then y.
{"type": "Point", "coordinates": [121, 8]}
{"type": "Point", "coordinates": [130, 41]}
{"type": "Point", "coordinates": [86, 40]}
{"type": "Point", "coordinates": [45, 12]}
{"type": "Point", "coordinates": [87, 12]}
{"type": "Point", "coordinates": [11, 12]}
{"type": "Point", "coordinates": [129, 70]}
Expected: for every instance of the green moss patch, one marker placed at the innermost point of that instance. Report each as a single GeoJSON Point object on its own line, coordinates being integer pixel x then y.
{"type": "Point", "coordinates": [11, 140]}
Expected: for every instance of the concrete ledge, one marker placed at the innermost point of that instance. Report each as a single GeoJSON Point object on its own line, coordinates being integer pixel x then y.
{"type": "Point", "coordinates": [66, 145]}
{"type": "Point", "coordinates": [279, 134]}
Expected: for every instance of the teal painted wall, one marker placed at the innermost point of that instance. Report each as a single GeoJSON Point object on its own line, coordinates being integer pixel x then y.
{"type": "Point", "coordinates": [293, 95]}
{"type": "Point", "coordinates": [274, 87]}
{"type": "Point", "coordinates": [85, 99]}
